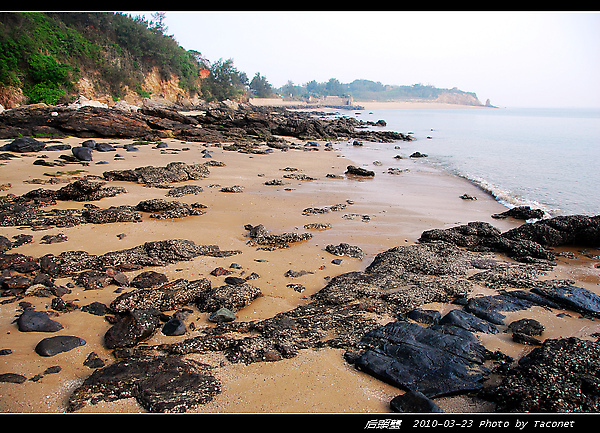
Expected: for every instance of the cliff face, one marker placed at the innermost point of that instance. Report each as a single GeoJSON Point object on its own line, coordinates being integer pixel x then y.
{"type": "Point", "coordinates": [158, 88]}
{"type": "Point", "coordinates": [458, 98]}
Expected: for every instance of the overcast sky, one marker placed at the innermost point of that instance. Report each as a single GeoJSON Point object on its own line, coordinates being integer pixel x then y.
{"type": "Point", "coordinates": [516, 59]}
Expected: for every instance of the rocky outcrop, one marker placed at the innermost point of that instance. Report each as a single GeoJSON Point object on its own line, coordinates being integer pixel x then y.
{"type": "Point", "coordinates": [218, 122]}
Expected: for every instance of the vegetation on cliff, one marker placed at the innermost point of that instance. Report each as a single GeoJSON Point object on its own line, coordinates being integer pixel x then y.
{"type": "Point", "coordinates": [45, 55]}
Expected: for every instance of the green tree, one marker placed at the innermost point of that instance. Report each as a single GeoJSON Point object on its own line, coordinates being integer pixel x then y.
{"type": "Point", "coordinates": [261, 87]}
{"type": "Point", "coordinates": [224, 81]}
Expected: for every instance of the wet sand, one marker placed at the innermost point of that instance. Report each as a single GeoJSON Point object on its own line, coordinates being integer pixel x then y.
{"type": "Point", "coordinates": [400, 208]}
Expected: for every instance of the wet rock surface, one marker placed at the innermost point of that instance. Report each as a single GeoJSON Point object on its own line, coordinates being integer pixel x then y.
{"type": "Point", "coordinates": [164, 385]}
{"type": "Point", "coordinates": [259, 236]}
{"type": "Point", "coordinates": [560, 376]}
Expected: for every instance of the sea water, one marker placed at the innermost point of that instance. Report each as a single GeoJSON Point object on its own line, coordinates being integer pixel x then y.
{"type": "Point", "coordinates": [544, 158]}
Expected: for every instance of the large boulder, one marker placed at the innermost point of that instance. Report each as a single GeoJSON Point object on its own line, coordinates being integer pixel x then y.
{"type": "Point", "coordinates": [420, 359]}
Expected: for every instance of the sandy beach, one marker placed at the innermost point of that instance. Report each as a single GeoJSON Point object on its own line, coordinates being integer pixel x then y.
{"type": "Point", "coordinates": [400, 208]}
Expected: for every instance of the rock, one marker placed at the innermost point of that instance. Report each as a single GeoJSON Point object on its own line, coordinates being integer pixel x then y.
{"type": "Point", "coordinates": [234, 281]}
{"type": "Point", "coordinates": [468, 321]}
{"type": "Point", "coordinates": [131, 329]}
{"type": "Point", "coordinates": [560, 376]}
{"type": "Point", "coordinates": [561, 230]}
{"type": "Point", "coordinates": [359, 171]}
{"type": "Point", "coordinates": [344, 249]}
{"type": "Point", "coordinates": [54, 345]}
{"type": "Point", "coordinates": [160, 385]}
{"type": "Point", "coordinates": [149, 175]}
{"type": "Point", "coordinates": [521, 212]}
{"type": "Point", "coordinates": [180, 191]}
{"type": "Point", "coordinates": [414, 402]}
{"type": "Point", "coordinates": [573, 298]}
{"type": "Point", "coordinates": [82, 153]}
{"type": "Point", "coordinates": [231, 297]}
{"type": "Point", "coordinates": [483, 237]}
{"type": "Point", "coordinates": [37, 321]}
{"type": "Point", "coordinates": [93, 361]}
{"type": "Point", "coordinates": [421, 359]}
{"type": "Point", "coordinates": [526, 326]}
{"type": "Point", "coordinates": [519, 337]}
{"type": "Point", "coordinates": [165, 297]}
{"type": "Point", "coordinates": [419, 154]}
{"type": "Point", "coordinates": [24, 145]}
{"type": "Point", "coordinates": [260, 236]}
{"type": "Point", "coordinates": [468, 197]}
{"type": "Point", "coordinates": [222, 315]}
{"type": "Point", "coordinates": [96, 308]}
{"type": "Point", "coordinates": [148, 279]}
{"type": "Point", "coordinates": [174, 327]}
{"type": "Point", "coordinates": [430, 317]}
{"type": "Point", "coordinates": [12, 378]}
{"type": "Point", "coordinates": [104, 147]}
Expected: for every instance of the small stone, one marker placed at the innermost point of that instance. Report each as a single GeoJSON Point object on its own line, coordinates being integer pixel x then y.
{"type": "Point", "coordinates": [37, 321]}
{"type": "Point", "coordinates": [174, 327]}
{"type": "Point", "coordinates": [93, 361]}
{"type": "Point", "coordinates": [55, 345]}
{"type": "Point", "coordinates": [12, 378]}
{"type": "Point", "coordinates": [222, 315]}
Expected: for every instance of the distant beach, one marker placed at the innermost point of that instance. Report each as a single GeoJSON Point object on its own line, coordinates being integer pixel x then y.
{"type": "Point", "coordinates": [368, 105]}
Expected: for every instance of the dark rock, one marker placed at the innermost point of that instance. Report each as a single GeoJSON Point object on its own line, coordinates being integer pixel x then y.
{"type": "Point", "coordinates": [12, 378]}
{"type": "Point", "coordinates": [131, 329]}
{"type": "Point", "coordinates": [25, 144]}
{"type": "Point", "coordinates": [359, 171]}
{"type": "Point", "coordinates": [222, 315]}
{"type": "Point", "coordinates": [430, 317]}
{"type": "Point", "coordinates": [234, 281]}
{"type": "Point", "coordinates": [57, 147]}
{"type": "Point", "coordinates": [104, 147]}
{"type": "Point", "coordinates": [414, 402]}
{"type": "Point", "coordinates": [148, 279]}
{"type": "Point", "coordinates": [561, 230]}
{"type": "Point", "coordinates": [160, 385]}
{"type": "Point", "coordinates": [55, 345]}
{"type": "Point", "coordinates": [418, 154]}
{"type": "Point", "coordinates": [519, 337]}
{"type": "Point", "coordinates": [526, 326]}
{"type": "Point", "coordinates": [37, 321]}
{"type": "Point", "coordinates": [344, 249]}
{"type": "Point", "coordinates": [421, 359]}
{"type": "Point", "coordinates": [219, 271]}
{"type": "Point", "coordinates": [111, 215]}
{"type": "Point", "coordinates": [483, 237]}
{"type": "Point", "coordinates": [231, 297]}
{"type": "Point", "coordinates": [468, 321]}
{"type": "Point", "coordinates": [82, 153]}
{"type": "Point", "coordinates": [521, 213]}
{"type": "Point", "coordinates": [96, 308]}
{"type": "Point", "coordinates": [165, 297]}
{"type": "Point", "coordinates": [180, 191]}
{"type": "Point", "coordinates": [172, 172]}
{"type": "Point", "coordinates": [560, 376]}
{"type": "Point", "coordinates": [260, 236]}
{"type": "Point", "coordinates": [574, 298]}
{"type": "Point", "coordinates": [89, 144]}
{"type": "Point", "coordinates": [93, 361]}
{"type": "Point", "coordinates": [174, 327]}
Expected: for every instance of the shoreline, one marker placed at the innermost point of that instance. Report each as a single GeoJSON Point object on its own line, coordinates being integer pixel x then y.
{"type": "Point", "coordinates": [368, 105]}
{"type": "Point", "coordinates": [314, 381]}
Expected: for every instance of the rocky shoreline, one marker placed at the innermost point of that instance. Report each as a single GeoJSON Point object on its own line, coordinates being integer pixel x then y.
{"type": "Point", "coordinates": [378, 316]}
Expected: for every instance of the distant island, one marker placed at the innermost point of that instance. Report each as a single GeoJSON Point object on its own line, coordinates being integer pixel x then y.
{"type": "Point", "coordinates": [56, 57]}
